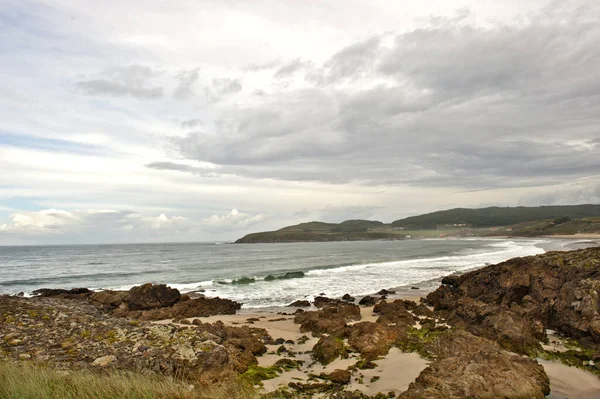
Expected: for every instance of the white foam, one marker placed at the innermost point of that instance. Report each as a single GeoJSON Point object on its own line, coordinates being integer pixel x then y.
{"type": "Point", "coordinates": [363, 279]}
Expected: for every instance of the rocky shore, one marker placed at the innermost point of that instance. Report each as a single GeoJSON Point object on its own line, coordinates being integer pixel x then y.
{"type": "Point", "coordinates": [498, 332]}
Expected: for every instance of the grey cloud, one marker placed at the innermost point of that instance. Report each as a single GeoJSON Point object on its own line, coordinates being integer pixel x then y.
{"type": "Point", "coordinates": [186, 79]}
{"type": "Point", "coordinates": [354, 61]}
{"type": "Point", "coordinates": [180, 168]}
{"type": "Point", "coordinates": [224, 86]}
{"type": "Point", "coordinates": [191, 123]}
{"type": "Point", "coordinates": [294, 126]}
{"type": "Point", "coordinates": [134, 81]}
{"type": "Point", "coordinates": [449, 104]}
{"type": "Point", "coordinates": [583, 193]}
{"type": "Point", "coordinates": [291, 68]}
{"type": "Point", "coordinates": [261, 67]}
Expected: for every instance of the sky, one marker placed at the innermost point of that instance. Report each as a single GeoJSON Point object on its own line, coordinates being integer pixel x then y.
{"type": "Point", "coordinates": [157, 121]}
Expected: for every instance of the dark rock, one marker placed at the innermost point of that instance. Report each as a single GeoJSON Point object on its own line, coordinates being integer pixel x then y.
{"type": "Point", "coordinates": [555, 290]}
{"type": "Point", "coordinates": [300, 304]}
{"type": "Point", "coordinates": [452, 280]}
{"type": "Point", "coordinates": [372, 339]}
{"type": "Point", "coordinates": [339, 377]}
{"type": "Point", "coordinates": [199, 307]}
{"type": "Point", "coordinates": [328, 349]}
{"type": "Point", "coordinates": [331, 319]}
{"type": "Point", "coordinates": [152, 296]}
{"type": "Point", "coordinates": [289, 275]}
{"type": "Point", "coordinates": [386, 292]}
{"type": "Point", "coordinates": [396, 312]}
{"type": "Point", "coordinates": [67, 294]}
{"type": "Point", "coordinates": [348, 298]}
{"type": "Point", "coordinates": [244, 280]}
{"type": "Point", "coordinates": [279, 341]}
{"type": "Point", "coordinates": [414, 288]}
{"type": "Point", "coordinates": [473, 367]}
{"type": "Point", "coordinates": [270, 277]}
{"type": "Point", "coordinates": [367, 301]}
{"type": "Point", "coordinates": [109, 299]}
{"type": "Point", "coordinates": [321, 301]}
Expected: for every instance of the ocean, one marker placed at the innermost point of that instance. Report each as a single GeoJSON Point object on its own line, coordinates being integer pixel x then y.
{"type": "Point", "coordinates": [330, 268]}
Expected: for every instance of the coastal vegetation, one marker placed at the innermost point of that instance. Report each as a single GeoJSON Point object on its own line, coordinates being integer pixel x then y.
{"type": "Point", "coordinates": [497, 216]}
{"type": "Point", "coordinates": [492, 221]}
{"type": "Point", "coordinates": [29, 381]}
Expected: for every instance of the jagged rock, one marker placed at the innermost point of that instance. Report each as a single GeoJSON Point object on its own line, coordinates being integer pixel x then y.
{"type": "Point", "coordinates": [339, 377]}
{"type": "Point", "coordinates": [152, 296]}
{"type": "Point", "coordinates": [555, 290]}
{"type": "Point", "coordinates": [111, 299]}
{"type": "Point", "coordinates": [104, 360]}
{"type": "Point", "coordinates": [217, 358]}
{"type": "Point", "coordinates": [396, 312]}
{"type": "Point", "coordinates": [472, 367]}
{"type": "Point", "coordinates": [74, 293]}
{"type": "Point", "coordinates": [300, 304]}
{"type": "Point", "coordinates": [367, 301]}
{"type": "Point", "coordinates": [321, 301]}
{"type": "Point", "coordinates": [199, 307]}
{"type": "Point", "coordinates": [327, 349]}
{"type": "Point", "coordinates": [372, 339]}
{"type": "Point", "coordinates": [330, 319]}
{"type": "Point", "coordinates": [451, 280]}
{"type": "Point", "coordinates": [289, 275]}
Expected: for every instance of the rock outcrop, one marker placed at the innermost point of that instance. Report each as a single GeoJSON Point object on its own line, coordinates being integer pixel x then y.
{"type": "Point", "coordinates": [467, 366]}
{"type": "Point", "coordinates": [515, 301]}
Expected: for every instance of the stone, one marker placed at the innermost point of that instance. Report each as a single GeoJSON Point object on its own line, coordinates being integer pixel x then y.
{"type": "Point", "coordinates": [327, 349]}
{"type": "Point", "coordinates": [300, 304]}
{"type": "Point", "coordinates": [451, 280]}
{"type": "Point", "coordinates": [104, 360]}
{"type": "Point", "coordinates": [73, 293]}
{"type": "Point", "coordinates": [372, 339]}
{"type": "Point", "coordinates": [152, 296]}
{"type": "Point", "coordinates": [367, 301]}
{"type": "Point", "coordinates": [348, 298]}
{"type": "Point", "coordinates": [197, 307]}
{"type": "Point", "coordinates": [339, 377]}
{"type": "Point", "coordinates": [472, 367]}
{"type": "Point", "coordinates": [289, 275]}
{"type": "Point", "coordinates": [109, 298]}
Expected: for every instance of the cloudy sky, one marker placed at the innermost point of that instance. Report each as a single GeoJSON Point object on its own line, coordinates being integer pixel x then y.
{"type": "Point", "coordinates": [130, 120]}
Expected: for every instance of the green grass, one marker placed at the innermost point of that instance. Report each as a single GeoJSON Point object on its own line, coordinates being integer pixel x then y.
{"type": "Point", "coordinates": [25, 381]}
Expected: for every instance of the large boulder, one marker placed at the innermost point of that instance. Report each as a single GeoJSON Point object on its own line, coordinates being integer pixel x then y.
{"type": "Point", "coordinates": [396, 312]}
{"type": "Point", "coordinates": [328, 348]}
{"type": "Point", "coordinates": [467, 366]}
{"type": "Point", "coordinates": [109, 299]}
{"type": "Point", "coordinates": [331, 319]}
{"type": "Point", "coordinates": [372, 339]}
{"type": "Point", "coordinates": [152, 296]}
{"type": "Point", "coordinates": [74, 293]}
{"type": "Point", "coordinates": [199, 307]}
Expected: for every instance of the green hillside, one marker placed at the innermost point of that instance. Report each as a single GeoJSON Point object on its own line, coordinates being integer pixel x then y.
{"type": "Point", "coordinates": [496, 216]}
{"type": "Point", "coordinates": [350, 230]}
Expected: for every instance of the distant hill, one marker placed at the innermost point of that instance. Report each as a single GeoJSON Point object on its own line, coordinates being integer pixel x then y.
{"type": "Point", "coordinates": [460, 222]}
{"type": "Point", "coordinates": [496, 216]}
{"type": "Point", "coordinates": [350, 230]}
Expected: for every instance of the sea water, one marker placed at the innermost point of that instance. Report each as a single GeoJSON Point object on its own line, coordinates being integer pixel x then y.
{"type": "Point", "coordinates": [330, 268]}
